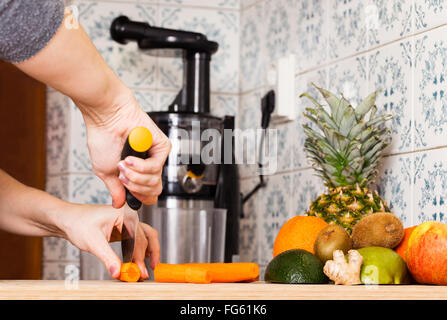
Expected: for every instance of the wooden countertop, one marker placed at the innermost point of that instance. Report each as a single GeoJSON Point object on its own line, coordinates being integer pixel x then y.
{"type": "Point", "coordinates": [116, 290]}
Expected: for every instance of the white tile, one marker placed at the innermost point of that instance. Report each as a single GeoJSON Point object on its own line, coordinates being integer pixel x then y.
{"type": "Point", "coordinates": [221, 26]}
{"type": "Point", "coordinates": [430, 186]}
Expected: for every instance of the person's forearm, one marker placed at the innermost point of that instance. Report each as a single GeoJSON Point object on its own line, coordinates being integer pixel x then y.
{"type": "Point", "coordinates": [28, 211]}
{"type": "Point", "coordinates": [71, 64]}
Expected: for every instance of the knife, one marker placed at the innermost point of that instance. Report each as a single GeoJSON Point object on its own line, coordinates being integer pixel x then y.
{"type": "Point", "coordinates": [137, 144]}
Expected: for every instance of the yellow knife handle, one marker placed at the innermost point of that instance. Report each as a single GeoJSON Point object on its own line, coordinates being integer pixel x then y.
{"type": "Point", "coordinates": [137, 144]}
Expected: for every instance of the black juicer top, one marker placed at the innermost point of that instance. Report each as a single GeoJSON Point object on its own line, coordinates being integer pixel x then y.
{"type": "Point", "coordinates": [194, 97]}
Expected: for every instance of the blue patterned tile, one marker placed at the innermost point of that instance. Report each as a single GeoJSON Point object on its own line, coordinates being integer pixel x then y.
{"type": "Point", "coordinates": [135, 68]}
{"type": "Point", "coordinates": [147, 99]}
{"type": "Point", "coordinates": [57, 126]}
{"type": "Point", "coordinates": [388, 20]}
{"type": "Point", "coordinates": [221, 26]}
{"type": "Point", "coordinates": [392, 74]}
{"type": "Point", "coordinates": [304, 85]}
{"type": "Point", "coordinates": [346, 20]}
{"type": "Point", "coordinates": [273, 212]}
{"type": "Point", "coordinates": [351, 77]}
{"type": "Point", "coordinates": [280, 29]}
{"type": "Point", "coordinates": [430, 183]}
{"type": "Point", "coordinates": [57, 186]}
{"type": "Point", "coordinates": [252, 43]}
{"type": "Point", "coordinates": [429, 13]}
{"type": "Point", "coordinates": [57, 249]}
{"type": "Point", "coordinates": [164, 99]}
{"type": "Point", "coordinates": [229, 4]}
{"type": "Point", "coordinates": [68, 271]}
{"type": "Point", "coordinates": [247, 3]}
{"type": "Point", "coordinates": [88, 189]}
{"type": "Point", "coordinates": [79, 156]}
{"type": "Point", "coordinates": [310, 24]}
{"type": "Point", "coordinates": [224, 105]}
{"type": "Point", "coordinates": [430, 68]}
{"type": "Point", "coordinates": [395, 186]}
{"type": "Point", "coordinates": [306, 188]}
{"type": "Point", "coordinates": [248, 236]}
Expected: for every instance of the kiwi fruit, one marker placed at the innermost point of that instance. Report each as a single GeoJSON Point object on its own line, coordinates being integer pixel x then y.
{"type": "Point", "coordinates": [331, 238]}
{"type": "Point", "coordinates": [381, 229]}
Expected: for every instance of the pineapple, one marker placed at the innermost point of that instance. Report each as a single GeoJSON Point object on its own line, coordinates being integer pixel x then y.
{"type": "Point", "coordinates": [345, 151]}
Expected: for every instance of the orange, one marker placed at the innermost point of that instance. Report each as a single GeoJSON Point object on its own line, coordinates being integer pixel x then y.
{"type": "Point", "coordinates": [402, 247]}
{"type": "Point", "coordinates": [299, 232]}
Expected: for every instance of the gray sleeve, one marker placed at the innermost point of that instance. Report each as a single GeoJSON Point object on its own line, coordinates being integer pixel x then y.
{"type": "Point", "coordinates": [26, 26]}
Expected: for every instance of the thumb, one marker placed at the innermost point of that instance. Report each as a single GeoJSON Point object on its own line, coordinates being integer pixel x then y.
{"type": "Point", "coordinates": [101, 249]}
{"type": "Point", "coordinates": [116, 190]}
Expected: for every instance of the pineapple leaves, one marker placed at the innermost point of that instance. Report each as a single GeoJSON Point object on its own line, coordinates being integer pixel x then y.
{"type": "Point", "coordinates": [347, 147]}
{"type": "Point", "coordinates": [366, 105]}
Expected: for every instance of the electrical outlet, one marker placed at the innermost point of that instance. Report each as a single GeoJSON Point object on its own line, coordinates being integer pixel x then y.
{"type": "Point", "coordinates": [285, 109]}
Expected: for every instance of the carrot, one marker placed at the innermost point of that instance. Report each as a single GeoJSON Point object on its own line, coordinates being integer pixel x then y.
{"type": "Point", "coordinates": [206, 272]}
{"type": "Point", "coordinates": [129, 272]}
{"type": "Point", "coordinates": [230, 272]}
{"type": "Point", "coordinates": [165, 272]}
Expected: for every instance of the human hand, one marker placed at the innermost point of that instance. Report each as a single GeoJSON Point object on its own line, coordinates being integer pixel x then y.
{"type": "Point", "coordinates": [106, 138]}
{"type": "Point", "coordinates": [92, 227]}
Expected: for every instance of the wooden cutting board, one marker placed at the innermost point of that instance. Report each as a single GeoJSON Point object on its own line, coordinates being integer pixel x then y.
{"type": "Point", "coordinates": [55, 289]}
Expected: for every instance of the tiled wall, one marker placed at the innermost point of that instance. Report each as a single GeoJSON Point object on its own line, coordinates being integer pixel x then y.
{"type": "Point", "coordinates": [348, 46]}
{"type": "Point", "coordinates": [155, 80]}
{"type": "Point", "coordinates": [351, 47]}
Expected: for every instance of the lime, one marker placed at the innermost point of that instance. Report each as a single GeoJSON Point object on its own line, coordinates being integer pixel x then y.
{"type": "Point", "coordinates": [382, 266]}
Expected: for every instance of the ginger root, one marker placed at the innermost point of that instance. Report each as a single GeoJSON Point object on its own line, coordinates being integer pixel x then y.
{"type": "Point", "coordinates": [342, 272]}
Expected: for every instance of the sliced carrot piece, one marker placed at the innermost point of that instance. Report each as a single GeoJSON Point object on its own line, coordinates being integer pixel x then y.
{"type": "Point", "coordinates": [130, 272]}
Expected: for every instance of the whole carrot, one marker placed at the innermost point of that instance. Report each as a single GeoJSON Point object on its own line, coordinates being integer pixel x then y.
{"type": "Point", "coordinates": [178, 273]}
{"type": "Point", "coordinates": [230, 272]}
{"type": "Point", "coordinates": [206, 272]}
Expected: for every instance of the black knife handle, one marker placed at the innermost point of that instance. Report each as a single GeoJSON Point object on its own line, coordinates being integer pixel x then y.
{"type": "Point", "coordinates": [137, 145]}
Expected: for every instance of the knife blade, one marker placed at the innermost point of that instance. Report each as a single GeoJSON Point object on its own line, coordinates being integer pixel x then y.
{"type": "Point", "coordinates": [137, 144]}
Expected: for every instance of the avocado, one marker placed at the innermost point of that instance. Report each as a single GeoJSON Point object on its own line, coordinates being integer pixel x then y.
{"type": "Point", "coordinates": [295, 266]}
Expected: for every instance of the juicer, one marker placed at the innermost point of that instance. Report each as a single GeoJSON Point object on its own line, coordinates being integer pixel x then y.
{"type": "Point", "coordinates": [197, 214]}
